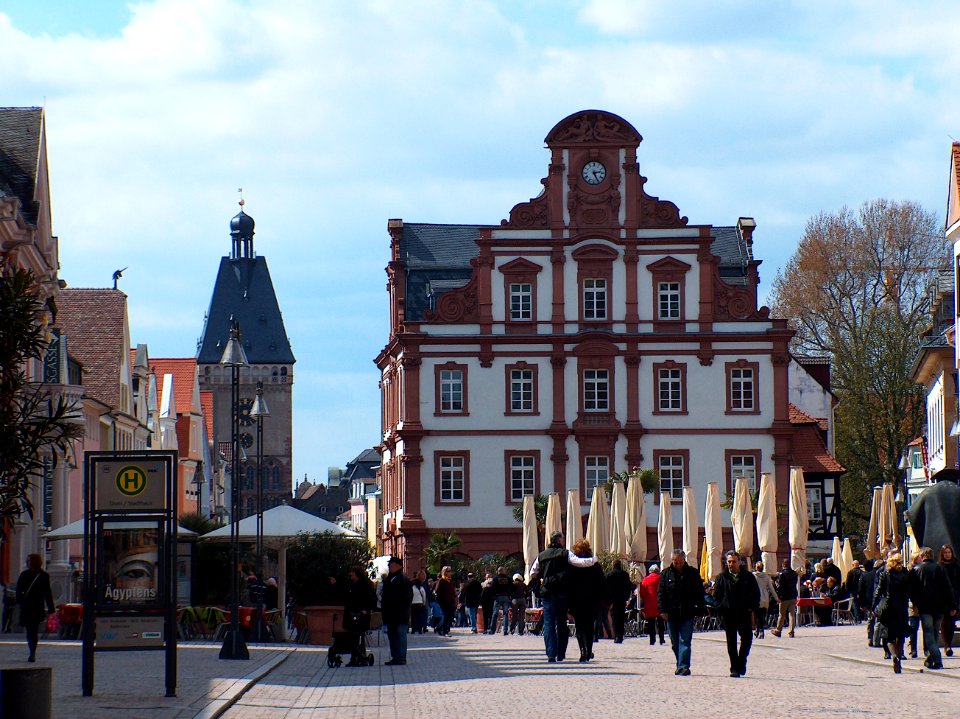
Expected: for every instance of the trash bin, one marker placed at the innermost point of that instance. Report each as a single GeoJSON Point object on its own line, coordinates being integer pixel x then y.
{"type": "Point", "coordinates": [26, 693]}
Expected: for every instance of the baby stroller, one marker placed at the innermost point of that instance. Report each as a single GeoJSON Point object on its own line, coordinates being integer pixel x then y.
{"type": "Point", "coordinates": [352, 640]}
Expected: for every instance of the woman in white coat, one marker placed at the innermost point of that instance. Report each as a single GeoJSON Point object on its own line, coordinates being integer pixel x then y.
{"type": "Point", "coordinates": [767, 593]}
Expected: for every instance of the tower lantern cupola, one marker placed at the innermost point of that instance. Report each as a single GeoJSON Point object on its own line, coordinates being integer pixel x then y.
{"type": "Point", "coordinates": [241, 230]}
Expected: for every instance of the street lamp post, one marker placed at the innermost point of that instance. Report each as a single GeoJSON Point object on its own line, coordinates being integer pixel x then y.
{"type": "Point", "coordinates": [235, 358]}
{"type": "Point", "coordinates": [259, 411]}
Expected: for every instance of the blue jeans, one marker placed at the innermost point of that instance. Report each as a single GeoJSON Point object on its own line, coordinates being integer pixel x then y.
{"type": "Point", "coordinates": [500, 604]}
{"type": "Point", "coordinates": [555, 633]}
{"type": "Point", "coordinates": [681, 637]}
{"type": "Point", "coordinates": [397, 637]}
{"type": "Point", "coordinates": [472, 613]}
{"type": "Point", "coordinates": [930, 625]}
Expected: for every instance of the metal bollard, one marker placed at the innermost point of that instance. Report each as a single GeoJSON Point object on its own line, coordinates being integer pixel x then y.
{"type": "Point", "coordinates": [26, 693]}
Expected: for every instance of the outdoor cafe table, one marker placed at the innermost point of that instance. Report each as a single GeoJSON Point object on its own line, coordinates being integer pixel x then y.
{"type": "Point", "coordinates": [805, 606]}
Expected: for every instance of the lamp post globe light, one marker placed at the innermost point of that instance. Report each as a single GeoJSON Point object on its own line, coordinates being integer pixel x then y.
{"type": "Point", "coordinates": [235, 358]}
{"type": "Point", "coordinates": [259, 410]}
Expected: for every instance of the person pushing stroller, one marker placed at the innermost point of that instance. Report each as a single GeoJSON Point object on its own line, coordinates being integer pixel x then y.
{"type": "Point", "coordinates": [359, 601]}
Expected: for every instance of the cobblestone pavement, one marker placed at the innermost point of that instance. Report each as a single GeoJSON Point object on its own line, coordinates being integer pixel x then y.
{"type": "Point", "coordinates": [824, 673]}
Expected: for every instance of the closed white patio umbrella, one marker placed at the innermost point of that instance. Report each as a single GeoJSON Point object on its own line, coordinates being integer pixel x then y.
{"type": "Point", "coordinates": [691, 527]}
{"type": "Point", "coordinates": [847, 555]}
{"type": "Point", "coordinates": [598, 522]}
{"type": "Point", "coordinates": [553, 517]}
{"type": "Point", "coordinates": [531, 544]}
{"type": "Point", "coordinates": [871, 549]}
{"type": "Point", "coordinates": [665, 529]}
{"type": "Point", "coordinates": [767, 523]}
{"type": "Point", "coordinates": [741, 517]}
{"type": "Point", "coordinates": [618, 519]}
{"type": "Point", "coordinates": [836, 555]}
{"type": "Point", "coordinates": [713, 532]}
{"type": "Point", "coordinates": [637, 521]}
{"type": "Point", "coordinates": [574, 518]}
{"type": "Point", "coordinates": [799, 521]}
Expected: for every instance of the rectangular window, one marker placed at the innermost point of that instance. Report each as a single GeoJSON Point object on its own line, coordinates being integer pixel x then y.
{"type": "Point", "coordinates": [522, 477]}
{"type": "Point", "coordinates": [742, 389]}
{"type": "Point", "coordinates": [452, 478]}
{"type": "Point", "coordinates": [451, 390]}
{"type": "Point", "coordinates": [594, 299]}
{"type": "Point", "coordinates": [744, 465]}
{"type": "Point", "coordinates": [815, 505]}
{"type": "Point", "coordinates": [596, 473]}
{"type": "Point", "coordinates": [671, 469]}
{"type": "Point", "coordinates": [521, 390]}
{"type": "Point", "coordinates": [670, 389]}
{"type": "Point", "coordinates": [668, 300]}
{"type": "Point", "coordinates": [521, 301]}
{"type": "Point", "coordinates": [917, 461]}
{"type": "Point", "coordinates": [596, 390]}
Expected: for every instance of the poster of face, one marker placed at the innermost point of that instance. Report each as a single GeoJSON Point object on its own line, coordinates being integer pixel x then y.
{"type": "Point", "coordinates": [130, 567]}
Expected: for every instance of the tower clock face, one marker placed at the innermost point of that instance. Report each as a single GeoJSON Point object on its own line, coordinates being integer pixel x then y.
{"type": "Point", "coordinates": [246, 440]}
{"type": "Point", "coordinates": [246, 404]}
{"type": "Point", "coordinates": [594, 173]}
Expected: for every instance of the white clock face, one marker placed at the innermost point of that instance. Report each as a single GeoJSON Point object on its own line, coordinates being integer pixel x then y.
{"type": "Point", "coordinates": [594, 172]}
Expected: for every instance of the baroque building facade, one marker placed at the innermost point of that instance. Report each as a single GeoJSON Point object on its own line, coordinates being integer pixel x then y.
{"type": "Point", "coordinates": [594, 330]}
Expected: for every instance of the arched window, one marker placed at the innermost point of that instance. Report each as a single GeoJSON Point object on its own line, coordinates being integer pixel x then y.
{"type": "Point", "coordinates": [275, 477]}
{"type": "Point", "coordinates": [251, 477]}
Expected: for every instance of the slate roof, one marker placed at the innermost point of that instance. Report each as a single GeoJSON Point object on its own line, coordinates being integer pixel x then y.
{"type": "Point", "coordinates": [808, 448]}
{"type": "Point", "coordinates": [361, 467]}
{"type": "Point", "coordinates": [438, 260]}
{"type": "Point", "coordinates": [184, 371]}
{"type": "Point", "coordinates": [20, 132]}
{"type": "Point", "coordinates": [93, 320]}
{"type": "Point", "coordinates": [244, 289]}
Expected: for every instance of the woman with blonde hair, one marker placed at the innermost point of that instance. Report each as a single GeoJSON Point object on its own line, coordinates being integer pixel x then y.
{"type": "Point", "coordinates": [586, 593]}
{"type": "Point", "coordinates": [890, 602]}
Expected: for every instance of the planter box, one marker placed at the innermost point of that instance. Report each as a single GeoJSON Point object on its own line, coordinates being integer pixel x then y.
{"type": "Point", "coordinates": [322, 622]}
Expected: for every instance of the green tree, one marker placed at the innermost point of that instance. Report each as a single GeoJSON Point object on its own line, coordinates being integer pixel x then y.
{"type": "Point", "coordinates": [439, 551]}
{"type": "Point", "coordinates": [856, 290]}
{"type": "Point", "coordinates": [312, 559]}
{"type": "Point", "coordinates": [35, 426]}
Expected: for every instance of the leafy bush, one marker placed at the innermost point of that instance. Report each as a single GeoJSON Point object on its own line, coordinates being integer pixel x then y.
{"type": "Point", "coordinates": [313, 558]}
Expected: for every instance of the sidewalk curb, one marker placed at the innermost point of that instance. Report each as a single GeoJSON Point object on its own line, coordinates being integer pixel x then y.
{"type": "Point", "coordinates": [219, 706]}
{"type": "Point", "coordinates": [886, 665]}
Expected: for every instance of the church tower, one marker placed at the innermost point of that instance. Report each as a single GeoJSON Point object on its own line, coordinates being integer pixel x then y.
{"type": "Point", "coordinates": [244, 292]}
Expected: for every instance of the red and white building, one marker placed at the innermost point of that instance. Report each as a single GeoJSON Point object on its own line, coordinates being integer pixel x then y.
{"type": "Point", "coordinates": [594, 330]}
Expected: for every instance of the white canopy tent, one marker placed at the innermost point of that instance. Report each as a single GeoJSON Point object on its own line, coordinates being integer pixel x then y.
{"type": "Point", "coordinates": [280, 525]}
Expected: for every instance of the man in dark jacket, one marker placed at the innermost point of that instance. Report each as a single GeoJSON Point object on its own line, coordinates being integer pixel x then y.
{"type": "Point", "coordinates": [470, 597]}
{"type": "Point", "coordinates": [395, 601]}
{"type": "Point", "coordinates": [787, 581]}
{"type": "Point", "coordinates": [502, 596]}
{"type": "Point", "coordinates": [932, 595]}
{"type": "Point", "coordinates": [553, 565]}
{"type": "Point", "coordinates": [737, 595]}
{"type": "Point", "coordinates": [620, 589]}
{"type": "Point", "coordinates": [868, 583]}
{"type": "Point", "coordinates": [852, 585]}
{"type": "Point", "coordinates": [680, 596]}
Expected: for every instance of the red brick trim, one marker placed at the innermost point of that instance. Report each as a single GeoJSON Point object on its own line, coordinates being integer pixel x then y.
{"type": "Point", "coordinates": [447, 366]}
{"type": "Point", "coordinates": [595, 262]}
{"type": "Point", "coordinates": [437, 456]}
{"type": "Point", "coordinates": [728, 456]}
{"type": "Point", "coordinates": [519, 271]}
{"type": "Point", "coordinates": [668, 269]}
{"type": "Point", "coordinates": [685, 453]}
{"type": "Point", "coordinates": [586, 450]}
{"type": "Point", "coordinates": [508, 455]}
{"type": "Point", "coordinates": [508, 393]}
{"type": "Point", "coordinates": [743, 364]}
{"type": "Point", "coordinates": [669, 365]}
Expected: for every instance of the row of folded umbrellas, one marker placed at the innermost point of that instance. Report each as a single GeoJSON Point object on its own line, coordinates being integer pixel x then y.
{"type": "Point", "coordinates": [620, 525]}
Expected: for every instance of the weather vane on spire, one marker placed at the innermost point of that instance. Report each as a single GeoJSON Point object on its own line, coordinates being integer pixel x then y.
{"type": "Point", "coordinates": [242, 203]}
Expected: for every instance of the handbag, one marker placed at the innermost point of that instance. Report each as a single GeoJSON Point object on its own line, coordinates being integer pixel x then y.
{"type": "Point", "coordinates": [882, 609]}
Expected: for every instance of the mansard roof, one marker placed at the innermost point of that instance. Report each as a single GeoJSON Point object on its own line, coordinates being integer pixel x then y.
{"type": "Point", "coordinates": [438, 259]}
{"type": "Point", "coordinates": [244, 291]}
{"type": "Point", "coordinates": [93, 320]}
{"type": "Point", "coordinates": [21, 129]}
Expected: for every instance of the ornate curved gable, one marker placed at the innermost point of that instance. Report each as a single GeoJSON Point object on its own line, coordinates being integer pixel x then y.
{"type": "Point", "coordinates": [593, 127]}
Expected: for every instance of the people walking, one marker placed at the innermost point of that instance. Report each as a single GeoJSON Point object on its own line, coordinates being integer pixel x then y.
{"type": "Point", "coordinates": [737, 597]}
{"type": "Point", "coordinates": [680, 598]}
{"type": "Point", "coordinates": [620, 589]}
{"type": "Point", "coordinates": [865, 592]}
{"type": "Point", "coordinates": [650, 604]}
{"type": "Point", "coordinates": [447, 599]}
{"type": "Point", "coordinates": [470, 597]}
{"type": "Point", "coordinates": [948, 560]}
{"type": "Point", "coordinates": [768, 593]}
{"type": "Point", "coordinates": [518, 606]}
{"type": "Point", "coordinates": [788, 590]}
{"type": "Point", "coordinates": [931, 593]}
{"type": "Point", "coordinates": [418, 609]}
{"type": "Point", "coordinates": [396, 599]}
{"type": "Point", "coordinates": [35, 600]}
{"type": "Point", "coordinates": [553, 565]}
{"type": "Point", "coordinates": [890, 601]}
{"type": "Point", "coordinates": [502, 597]}
{"type": "Point", "coordinates": [852, 586]}
{"type": "Point", "coordinates": [486, 602]}
{"type": "Point", "coordinates": [586, 593]}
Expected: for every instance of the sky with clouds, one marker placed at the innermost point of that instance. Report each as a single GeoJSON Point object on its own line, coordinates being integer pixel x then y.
{"type": "Point", "coordinates": [336, 116]}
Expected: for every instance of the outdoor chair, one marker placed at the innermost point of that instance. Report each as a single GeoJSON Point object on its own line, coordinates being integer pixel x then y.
{"type": "Point", "coordinates": [843, 612]}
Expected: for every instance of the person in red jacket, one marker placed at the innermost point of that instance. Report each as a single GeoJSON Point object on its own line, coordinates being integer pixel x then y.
{"type": "Point", "coordinates": [648, 601]}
